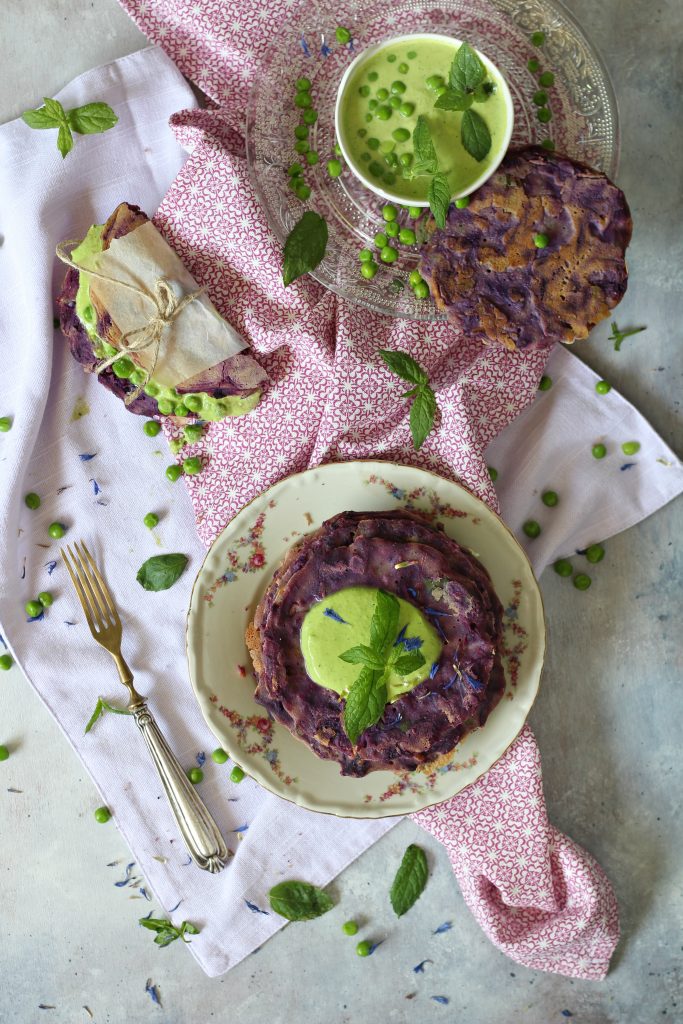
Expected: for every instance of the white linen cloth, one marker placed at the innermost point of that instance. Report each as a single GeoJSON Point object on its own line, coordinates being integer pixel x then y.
{"type": "Point", "coordinates": [103, 499]}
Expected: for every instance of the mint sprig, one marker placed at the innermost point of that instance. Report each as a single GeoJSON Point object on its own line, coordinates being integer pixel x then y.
{"type": "Point", "coordinates": [467, 70]}
{"type": "Point", "coordinates": [166, 931]}
{"type": "Point", "coordinates": [618, 336]}
{"type": "Point", "coordinates": [100, 708]}
{"type": "Point", "coordinates": [368, 695]}
{"type": "Point", "coordinates": [86, 120]}
{"type": "Point", "coordinates": [426, 162]}
{"type": "Point", "coordinates": [468, 84]}
{"type": "Point", "coordinates": [423, 408]}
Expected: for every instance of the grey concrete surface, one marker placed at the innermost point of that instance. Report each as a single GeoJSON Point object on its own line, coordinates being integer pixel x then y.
{"type": "Point", "coordinates": [607, 718]}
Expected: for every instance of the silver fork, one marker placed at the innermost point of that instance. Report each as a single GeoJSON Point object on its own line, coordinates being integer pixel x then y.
{"type": "Point", "coordinates": [202, 837]}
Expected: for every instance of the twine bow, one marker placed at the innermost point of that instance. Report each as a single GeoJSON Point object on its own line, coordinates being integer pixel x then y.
{"type": "Point", "coordinates": [168, 308]}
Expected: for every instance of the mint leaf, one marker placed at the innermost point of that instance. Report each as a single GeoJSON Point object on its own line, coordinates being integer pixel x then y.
{"type": "Point", "coordinates": [408, 663]}
{"type": "Point", "coordinates": [618, 336]}
{"type": "Point", "coordinates": [453, 100]}
{"type": "Point", "coordinates": [305, 247]}
{"type": "Point", "coordinates": [467, 71]}
{"type": "Point", "coordinates": [161, 571]}
{"type": "Point", "coordinates": [100, 708]}
{"type": "Point", "coordinates": [166, 931]}
{"type": "Point", "coordinates": [92, 118]}
{"type": "Point", "coordinates": [439, 196]}
{"type": "Point", "coordinates": [55, 109]}
{"type": "Point", "coordinates": [365, 703]}
{"type": "Point", "coordinates": [475, 135]}
{"type": "Point", "coordinates": [422, 414]}
{"type": "Point", "coordinates": [363, 655]}
{"type": "Point", "coordinates": [65, 140]}
{"type": "Point", "coordinates": [404, 366]}
{"type": "Point", "coordinates": [384, 623]}
{"type": "Point", "coordinates": [410, 880]}
{"type": "Point", "coordinates": [299, 901]}
{"type": "Point", "coordinates": [40, 118]}
{"type": "Point", "coordinates": [423, 148]}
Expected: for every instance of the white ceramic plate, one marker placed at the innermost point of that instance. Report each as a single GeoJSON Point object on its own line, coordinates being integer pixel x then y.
{"type": "Point", "coordinates": [237, 570]}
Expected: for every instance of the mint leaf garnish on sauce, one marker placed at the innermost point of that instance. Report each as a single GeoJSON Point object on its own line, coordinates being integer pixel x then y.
{"type": "Point", "coordinates": [467, 85]}
{"type": "Point", "coordinates": [87, 120]}
{"type": "Point", "coordinates": [476, 138]}
{"type": "Point", "coordinates": [423, 408]}
{"type": "Point", "coordinates": [299, 901]}
{"type": "Point", "coordinates": [467, 71]}
{"type": "Point", "coordinates": [305, 247]}
{"type": "Point", "coordinates": [161, 571]}
{"type": "Point", "coordinates": [410, 880]}
{"type": "Point", "coordinates": [368, 695]}
{"type": "Point", "coordinates": [425, 160]}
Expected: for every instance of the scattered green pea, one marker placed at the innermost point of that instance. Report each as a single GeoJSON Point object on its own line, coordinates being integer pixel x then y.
{"type": "Point", "coordinates": [237, 774]}
{"type": "Point", "coordinates": [533, 65]}
{"type": "Point", "coordinates": [548, 144]}
{"type": "Point", "coordinates": [372, 106]}
{"type": "Point", "coordinates": [582, 581]}
{"type": "Point", "coordinates": [195, 775]}
{"type": "Point", "coordinates": [342, 35]}
{"type": "Point", "coordinates": [384, 112]}
{"type": "Point", "coordinates": [372, 143]}
{"type": "Point", "coordinates": [303, 192]}
{"type": "Point", "coordinates": [406, 236]}
{"type": "Point", "coordinates": [45, 598]}
{"type": "Point", "coordinates": [302, 146]}
{"type": "Point", "coordinates": [193, 432]}
{"type": "Point", "coordinates": [302, 84]}
{"type": "Point", "coordinates": [595, 553]}
{"type": "Point", "coordinates": [531, 528]}
{"type": "Point", "coordinates": [546, 79]}
{"type": "Point", "coordinates": [563, 567]}
{"type": "Point", "coordinates": [391, 58]}
{"type": "Point", "coordinates": [376, 169]}
{"type": "Point", "coordinates": [463, 202]}
{"type": "Point", "coordinates": [349, 928]}
{"type": "Point", "coordinates": [56, 530]}
{"type": "Point", "coordinates": [541, 241]}
{"type": "Point", "coordinates": [538, 38]}
{"type": "Point", "coordinates": [493, 473]}
{"type": "Point", "coordinates": [6, 662]}
{"type": "Point", "coordinates": [219, 756]}
{"type": "Point", "coordinates": [193, 465]}
{"type": "Point", "coordinates": [173, 472]}
{"type": "Point", "coordinates": [4, 752]}
{"type": "Point", "coordinates": [435, 82]}
{"type": "Point", "coordinates": [365, 255]}
{"type": "Point", "coordinates": [392, 229]}
{"type": "Point", "coordinates": [373, 76]}
{"type": "Point", "coordinates": [411, 54]}
{"type": "Point", "coordinates": [309, 116]}
{"type": "Point", "coordinates": [165, 406]}
{"type": "Point", "coordinates": [400, 134]}
{"type": "Point", "coordinates": [5, 424]}
{"type": "Point", "coordinates": [421, 290]}
{"type": "Point", "coordinates": [414, 212]}
{"type": "Point", "coordinates": [603, 387]}
{"type": "Point", "coordinates": [193, 402]}
{"type": "Point", "coordinates": [388, 254]}
{"type": "Point", "coordinates": [387, 147]}
{"type": "Point", "coordinates": [102, 814]}
{"type": "Point", "coordinates": [32, 500]}
{"type": "Point", "coordinates": [301, 131]}
{"type": "Point", "coordinates": [630, 447]}
{"type": "Point", "coordinates": [406, 109]}
{"type": "Point", "coordinates": [181, 410]}
{"type": "Point", "coordinates": [540, 98]}
{"type": "Point", "coordinates": [364, 90]}
{"type": "Point", "coordinates": [599, 451]}
{"type": "Point", "coordinates": [414, 277]}
{"type": "Point", "coordinates": [398, 87]}
{"type": "Point", "coordinates": [544, 115]}
{"type": "Point", "coordinates": [368, 270]}
{"type": "Point", "coordinates": [362, 132]}
{"type": "Point", "coordinates": [404, 68]}
{"type": "Point", "coordinates": [151, 428]}
{"type": "Point", "coordinates": [363, 948]}
{"type": "Point", "coordinates": [334, 168]}
{"type": "Point", "coordinates": [294, 170]}
{"type": "Point", "coordinates": [382, 94]}
{"type": "Point", "coordinates": [312, 157]}
{"type": "Point", "coordinates": [545, 383]}
{"type": "Point", "coordinates": [406, 159]}
{"type": "Point", "coordinates": [302, 100]}
{"type": "Point", "coordinates": [151, 520]}
{"type": "Point", "coordinates": [550, 498]}
{"type": "Point", "coordinates": [380, 239]}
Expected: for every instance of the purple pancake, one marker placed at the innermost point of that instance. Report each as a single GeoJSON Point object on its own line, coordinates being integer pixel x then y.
{"type": "Point", "coordinates": [493, 282]}
{"type": "Point", "coordinates": [446, 583]}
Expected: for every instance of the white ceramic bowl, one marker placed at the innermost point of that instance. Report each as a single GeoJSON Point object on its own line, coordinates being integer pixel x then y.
{"type": "Point", "coordinates": [400, 40]}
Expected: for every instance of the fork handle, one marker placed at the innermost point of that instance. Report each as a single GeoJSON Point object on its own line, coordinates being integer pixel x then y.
{"type": "Point", "coordinates": [200, 832]}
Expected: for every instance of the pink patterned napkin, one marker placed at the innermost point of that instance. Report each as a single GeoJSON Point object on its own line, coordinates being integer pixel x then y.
{"type": "Point", "coordinates": [538, 896]}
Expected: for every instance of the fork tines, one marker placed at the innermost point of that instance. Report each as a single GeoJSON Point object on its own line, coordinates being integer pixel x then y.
{"type": "Point", "coordinates": [90, 587]}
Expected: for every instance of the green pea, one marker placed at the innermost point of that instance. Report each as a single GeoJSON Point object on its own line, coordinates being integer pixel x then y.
{"type": "Point", "coordinates": [56, 530]}
{"type": "Point", "coordinates": [421, 290]}
{"type": "Point", "coordinates": [365, 157]}
{"type": "Point", "coordinates": [368, 270]}
{"type": "Point", "coordinates": [531, 528]}
{"type": "Point", "coordinates": [309, 116]}
{"type": "Point", "coordinates": [387, 146]}
{"type": "Point", "coordinates": [595, 553]}
{"type": "Point", "coordinates": [45, 598]}
{"type": "Point", "coordinates": [365, 255]}
{"type": "Point", "coordinates": [372, 143]}
{"type": "Point", "coordinates": [302, 100]}
{"type": "Point", "coordinates": [372, 76]}
{"type": "Point", "coordinates": [390, 158]}
{"type": "Point", "coordinates": [301, 131]}
{"type": "Point", "coordinates": [342, 35]}
{"type": "Point", "coordinates": [547, 79]}
{"type": "Point", "coordinates": [349, 928]}
{"type": "Point", "coordinates": [391, 58]}
{"type": "Point", "coordinates": [173, 472]}
{"type": "Point", "coordinates": [411, 54]}
{"type": "Point", "coordinates": [123, 368]}
{"type": "Point", "coordinates": [334, 168]}
{"type": "Point", "coordinates": [435, 82]}
{"type": "Point", "coordinates": [4, 752]}
{"type": "Point", "coordinates": [32, 500]}
{"type": "Point", "coordinates": [541, 241]}
{"type": "Point", "coordinates": [181, 410]}
{"type": "Point", "coordinates": [406, 159]}
{"type": "Point", "coordinates": [563, 567]}
{"type": "Point", "coordinates": [193, 432]}
{"type": "Point", "coordinates": [303, 192]}
{"type": "Point", "coordinates": [193, 402]}
{"type": "Point", "coordinates": [6, 662]}
{"type": "Point", "coordinates": [406, 109]}
{"type": "Point", "coordinates": [414, 277]}
{"type": "Point", "coordinates": [151, 388]}
{"type": "Point", "coordinates": [602, 387]}
{"type": "Point", "coordinates": [294, 170]}
{"type": "Point", "coordinates": [382, 94]}
{"type": "Point", "coordinates": [548, 144]}
{"type": "Point", "coordinates": [219, 756]}
{"type": "Point", "coordinates": [380, 239]}
{"type": "Point", "coordinates": [138, 377]}
{"type": "Point", "coordinates": [414, 212]}
{"type": "Point", "coordinates": [384, 112]}
{"type": "Point", "coordinates": [545, 383]}
{"type": "Point", "coordinates": [151, 520]}
{"type": "Point", "coordinates": [407, 236]}
{"type": "Point", "coordinates": [533, 65]}
{"type": "Point", "coordinates": [463, 202]}
{"type": "Point", "coordinates": [400, 134]}
{"type": "Point", "coordinates": [544, 115]}
{"type": "Point", "coordinates": [582, 581]}
{"type": "Point", "coordinates": [363, 948]}
{"type": "Point", "coordinates": [540, 98]}
{"type": "Point", "coordinates": [364, 90]}
{"type": "Point", "coordinates": [538, 38]}
{"type": "Point", "coordinates": [5, 424]}
{"type": "Point", "coordinates": [395, 102]}
{"type": "Point", "coordinates": [389, 212]}
{"type": "Point", "coordinates": [599, 451]}
{"type": "Point", "coordinates": [237, 774]}
{"type": "Point", "coordinates": [493, 473]}
{"type": "Point", "coordinates": [388, 254]}
{"type": "Point", "coordinates": [102, 814]}
{"type": "Point", "coordinates": [630, 447]}
{"type": "Point", "coordinates": [195, 775]}
{"type": "Point", "coordinates": [165, 406]}
{"type": "Point", "coordinates": [193, 465]}
{"type": "Point", "coordinates": [312, 157]}
{"type": "Point", "coordinates": [398, 87]}
{"type": "Point", "coordinates": [392, 229]}
{"type": "Point", "coordinates": [404, 68]}
{"type": "Point", "coordinates": [550, 498]}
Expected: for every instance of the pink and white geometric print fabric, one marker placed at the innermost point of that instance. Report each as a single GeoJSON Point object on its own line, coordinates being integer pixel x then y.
{"type": "Point", "coordinates": [538, 896]}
